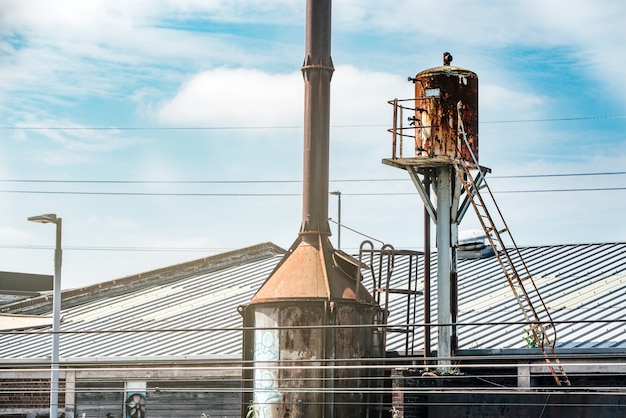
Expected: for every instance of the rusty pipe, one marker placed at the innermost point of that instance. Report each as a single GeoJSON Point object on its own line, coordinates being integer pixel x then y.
{"type": "Point", "coordinates": [317, 72]}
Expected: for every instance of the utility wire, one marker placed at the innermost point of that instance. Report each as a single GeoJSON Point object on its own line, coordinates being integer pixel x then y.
{"type": "Point", "coordinates": [85, 193]}
{"type": "Point", "coordinates": [109, 248]}
{"type": "Point", "coordinates": [179, 194]}
{"type": "Point", "coordinates": [519, 176]}
{"type": "Point", "coordinates": [217, 128]}
{"type": "Point", "coordinates": [377, 180]}
{"type": "Point", "coordinates": [355, 231]}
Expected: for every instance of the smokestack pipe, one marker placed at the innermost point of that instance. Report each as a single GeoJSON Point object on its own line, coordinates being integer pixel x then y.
{"type": "Point", "coordinates": [317, 71]}
{"type": "Point", "coordinates": [311, 310]}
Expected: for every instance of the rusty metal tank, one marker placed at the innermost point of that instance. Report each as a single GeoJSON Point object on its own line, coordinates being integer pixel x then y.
{"type": "Point", "coordinates": [446, 106]}
{"type": "Point", "coordinates": [309, 337]}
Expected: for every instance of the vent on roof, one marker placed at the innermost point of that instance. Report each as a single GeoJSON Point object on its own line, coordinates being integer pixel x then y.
{"type": "Point", "coordinates": [473, 244]}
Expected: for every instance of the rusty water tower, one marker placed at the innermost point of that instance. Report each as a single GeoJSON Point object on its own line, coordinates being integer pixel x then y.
{"type": "Point", "coordinates": [443, 132]}
{"type": "Point", "coordinates": [312, 325]}
{"type": "Point", "coordinates": [441, 128]}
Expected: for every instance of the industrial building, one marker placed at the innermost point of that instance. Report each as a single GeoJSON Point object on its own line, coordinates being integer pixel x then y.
{"type": "Point", "coordinates": [174, 335]}
{"type": "Point", "coordinates": [478, 327]}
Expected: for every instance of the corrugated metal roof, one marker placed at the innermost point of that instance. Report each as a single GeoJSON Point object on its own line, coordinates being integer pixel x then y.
{"type": "Point", "coordinates": [164, 304]}
{"type": "Point", "coordinates": [191, 309]}
{"type": "Point", "coordinates": [579, 283]}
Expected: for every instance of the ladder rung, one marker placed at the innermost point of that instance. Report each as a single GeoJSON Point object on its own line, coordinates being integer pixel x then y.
{"type": "Point", "coordinates": [399, 330]}
{"type": "Point", "coordinates": [544, 326]}
{"type": "Point", "coordinates": [399, 291]}
{"type": "Point", "coordinates": [406, 291]}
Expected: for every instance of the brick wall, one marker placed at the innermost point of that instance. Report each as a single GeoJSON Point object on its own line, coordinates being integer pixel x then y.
{"type": "Point", "coordinates": [28, 393]}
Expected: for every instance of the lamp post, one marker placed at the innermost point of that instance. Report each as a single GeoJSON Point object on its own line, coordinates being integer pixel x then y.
{"type": "Point", "coordinates": [56, 312]}
{"type": "Point", "coordinates": [338, 194]}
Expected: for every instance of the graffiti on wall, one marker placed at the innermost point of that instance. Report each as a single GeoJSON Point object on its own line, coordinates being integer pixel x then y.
{"type": "Point", "coordinates": [265, 383]}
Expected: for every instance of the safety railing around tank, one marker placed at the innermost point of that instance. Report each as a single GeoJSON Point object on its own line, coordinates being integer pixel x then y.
{"type": "Point", "coordinates": [411, 131]}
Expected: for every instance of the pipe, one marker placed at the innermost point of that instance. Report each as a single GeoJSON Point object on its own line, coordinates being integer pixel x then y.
{"type": "Point", "coordinates": [427, 220]}
{"type": "Point", "coordinates": [444, 263]}
{"type": "Point", "coordinates": [317, 72]}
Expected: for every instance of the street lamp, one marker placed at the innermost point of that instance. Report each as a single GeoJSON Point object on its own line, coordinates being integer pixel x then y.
{"type": "Point", "coordinates": [56, 312]}
{"type": "Point", "coordinates": [338, 194]}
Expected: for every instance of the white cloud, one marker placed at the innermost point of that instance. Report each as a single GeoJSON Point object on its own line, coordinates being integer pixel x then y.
{"type": "Point", "coordinates": [69, 51]}
{"type": "Point", "coordinates": [63, 142]}
{"type": "Point", "coordinates": [236, 97]}
{"type": "Point", "coordinates": [360, 96]}
{"type": "Point", "coordinates": [108, 19]}
{"type": "Point", "coordinates": [50, 142]}
{"type": "Point", "coordinates": [247, 97]}
{"type": "Point", "coordinates": [498, 102]}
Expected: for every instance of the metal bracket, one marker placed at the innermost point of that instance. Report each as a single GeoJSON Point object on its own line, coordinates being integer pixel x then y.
{"type": "Point", "coordinates": [422, 192]}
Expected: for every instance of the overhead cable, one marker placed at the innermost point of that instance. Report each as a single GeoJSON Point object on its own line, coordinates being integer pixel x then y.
{"type": "Point", "coordinates": [274, 181]}
{"type": "Point", "coordinates": [217, 128]}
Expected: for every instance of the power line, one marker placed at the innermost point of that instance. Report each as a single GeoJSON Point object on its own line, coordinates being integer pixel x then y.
{"type": "Point", "coordinates": [217, 128]}
{"type": "Point", "coordinates": [276, 181]}
{"type": "Point", "coordinates": [519, 176]}
{"type": "Point", "coordinates": [155, 249]}
{"type": "Point", "coordinates": [557, 119]}
{"type": "Point", "coordinates": [179, 194]}
{"type": "Point", "coordinates": [159, 181]}
{"type": "Point", "coordinates": [590, 189]}
{"type": "Point", "coordinates": [124, 249]}
{"type": "Point", "coordinates": [187, 181]}
{"type": "Point", "coordinates": [171, 128]}
{"type": "Point", "coordinates": [355, 231]}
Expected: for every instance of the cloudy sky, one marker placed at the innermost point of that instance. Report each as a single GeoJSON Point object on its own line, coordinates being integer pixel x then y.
{"type": "Point", "coordinates": [164, 131]}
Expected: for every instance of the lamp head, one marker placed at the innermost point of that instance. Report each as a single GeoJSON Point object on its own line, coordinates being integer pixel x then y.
{"type": "Point", "coordinates": [45, 219]}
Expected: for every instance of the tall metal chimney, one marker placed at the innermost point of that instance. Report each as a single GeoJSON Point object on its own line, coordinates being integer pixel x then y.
{"type": "Point", "coordinates": [317, 71]}
{"type": "Point", "coordinates": [310, 318]}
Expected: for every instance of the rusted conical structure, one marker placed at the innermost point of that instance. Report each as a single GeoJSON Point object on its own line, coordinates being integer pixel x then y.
{"type": "Point", "coordinates": [311, 324]}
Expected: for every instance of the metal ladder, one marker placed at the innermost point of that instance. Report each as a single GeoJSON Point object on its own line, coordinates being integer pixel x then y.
{"type": "Point", "coordinates": [381, 267]}
{"type": "Point", "coordinates": [542, 327]}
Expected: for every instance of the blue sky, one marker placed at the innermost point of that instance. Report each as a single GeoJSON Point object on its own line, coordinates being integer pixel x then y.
{"type": "Point", "coordinates": [201, 105]}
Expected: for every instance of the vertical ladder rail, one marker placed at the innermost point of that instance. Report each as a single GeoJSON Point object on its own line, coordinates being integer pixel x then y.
{"type": "Point", "coordinates": [537, 315]}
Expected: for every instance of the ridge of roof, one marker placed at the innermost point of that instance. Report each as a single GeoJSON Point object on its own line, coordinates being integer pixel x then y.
{"type": "Point", "coordinates": [572, 244]}
{"type": "Point", "coordinates": [78, 296]}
